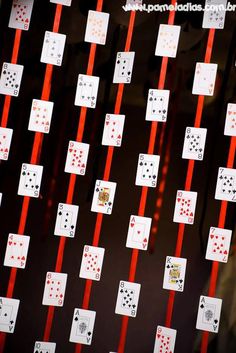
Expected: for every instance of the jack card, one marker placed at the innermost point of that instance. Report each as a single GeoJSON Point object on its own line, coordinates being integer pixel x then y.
{"type": "Point", "coordinates": [11, 79]}
{"type": "Point", "coordinates": [127, 298]}
{"type": "Point", "coordinates": [8, 314]}
{"type": "Point", "coordinates": [185, 205]}
{"type": "Point", "coordinates": [17, 250]}
{"type": "Point", "coordinates": [123, 67]}
{"type": "Point", "coordinates": [54, 289]}
{"type": "Point", "coordinates": [61, 2]}
{"type": "Point", "coordinates": [44, 347]}
{"type": "Point", "coordinates": [30, 180]}
{"type": "Point", "coordinates": [91, 264]}
{"type": "Point", "coordinates": [165, 340]}
{"type": "Point", "coordinates": [194, 143]}
{"type": "Point", "coordinates": [218, 244]}
{"type": "Point", "coordinates": [76, 160]}
{"type": "Point", "coordinates": [113, 130]}
{"type": "Point", "coordinates": [204, 79]}
{"type": "Point", "coordinates": [174, 275]}
{"type": "Point", "coordinates": [86, 91]}
{"type": "Point", "coordinates": [20, 14]}
{"type": "Point", "coordinates": [226, 185]}
{"type": "Point", "coordinates": [147, 170]}
{"type": "Point", "coordinates": [157, 105]}
{"type": "Point", "coordinates": [214, 16]}
{"type": "Point", "coordinates": [138, 232]}
{"type": "Point", "coordinates": [82, 326]}
{"type": "Point", "coordinates": [230, 120]}
{"type": "Point", "coordinates": [96, 28]}
{"type": "Point", "coordinates": [40, 116]}
{"type": "Point", "coordinates": [5, 142]}
{"type": "Point", "coordinates": [167, 40]}
{"type": "Point", "coordinates": [103, 197]}
{"type": "Point", "coordinates": [53, 48]}
{"type": "Point", "coordinates": [66, 220]}
{"type": "Point", "coordinates": [209, 311]}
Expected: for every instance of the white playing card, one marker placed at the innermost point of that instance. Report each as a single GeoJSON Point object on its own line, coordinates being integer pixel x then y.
{"type": "Point", "coordinates": [44, 347]}
{"type": "Point", "coordinates": [17, 250]}
{"type": "Point", "coordinates": [204, 79]}
{"type": "Point", "coordinates": [138, 232]}
{"type": "Point", "coordinates": [214, 15]}
{"type": "Point", "coordinates": [208, 317]}
{"type": "Point", "coordinates": [167, 40]}
{"type": "Point", "coordinates": [103, 197]}
{"type": "Point", "coordinates": [157, 105]}
{"type": "Point", "coordinates": [30, 180]}
{"type": "Point", "coordinates": [62, 2]}
{"type": "Point", "coordinates": [76, 159]}
{"type": "Point", "coordinates": [53, 48]}
{"type": "Point", "coordinates": [134, 2]}
{"type": "Point", "coordinates": [165, 340]}
{"type": "Point", "coordinates": [20, 14]}
{"type": "Point", "coordinates": [8, 314]}
{"type": "Point", "coordinates": [127, 298]}
{"type": "Point", "coordinates": [82, 326]}
{"type": "Point", "coordinates": [91, 264]}
{"type": "Point", "coordinates": [96, 28]}
{"type": "Point", "coordinates": [226, 185]}
{"type": "Point", "coordinates": [113, 130]}
{"type": "Point", "coordinates": [5, 142]}
{"type": "Point", "coordinates": [11, 79]}
{"type": "Point", "coordinates": [66, 220]}
{"type": "Point", "coordinates": [185, 205]}
{"type": "Point", "coordinates": [230, 120]}
{"type": "Point", "coordinates": [194, 143]}
{"type": "Point", "coordinates": [123, 67]}
{"type": "Point", "coordinates": [86, 91]}
{"type": "Point", "coordinates": [40, 116]}
{"type": "Point", "coordinates": [54, 289]}
{"type": "Point", "coordinates": [218, 244]}
{"type": "Point", "coordinates": [174, 274]}
{"type": "Point", "coordinates": [0, 198]}
{"type": "Point", "coordinates": [147, 170]}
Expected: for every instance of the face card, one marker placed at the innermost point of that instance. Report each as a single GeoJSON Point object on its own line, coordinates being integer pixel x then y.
{"type": "Point", "coordinates": [17, 250]}
{"type": "Point", "coordinates": [147, 170]}
{"type": "Point", "coordinates": [11, 79]}
{"type": "Point", "coordinates": [226, 185]}
{"type": "Point", "coordinates": [230, 120]}
{"type": "Point", "coordinates": [8, 314]}
{"type": "Point", "coordinates": [82, 326]}
{"type": "Point", "coordinates": [103, 197]}
{"type": "Point", "coordinates": [40, 116]}
{"type": "Point", "coordinates": [208, 317]}
{"type": "Point", "coordinates": [53, 48]}
{"type": "Point", "coordinates": [61, 2]}
{"type": "Point", "coordinates": [5, 142]}
{"type": "Point", "coordinates": [96, 28]}
{"type": "Point", "coordinates": [44, 347]}
{"type": "Point", "coordinates": [167, 40]}
{"type": "Point", "coordinates": [174, 275]}
{"type": "Point", "coordinates": [76, 160]}
{"type": "Point", "coordinates": [20, 14]}
{"type": "Point", "coordinates": [127, 298]}
{"type": "Point", "coordinates": [54, 289]}
{"type": "Point", "coordinates": [157, 105]}
{"type": "Point", "coordinates": [204, 79]}
{"type": "Point", "coordinates": [86, 91]}
{"type": "Point", "coordinates": [165, 340]}
{"type": "Point", "coordinates": [218, 244]}
{"type": "Point", "coordinates": [30, 180]}
{"type": "Point", "coordinates": [66, 220]}
{"type": "Point", "coordinates": [123, 67]}
{"type": "Point", "coordinates": [113, 130]}
{"type": "Point", "coordinates": [91, 264]}
{"type": "Point", "coordinates": [138, 232]}
{"type": "Point", "coordinates": [185, 205]}
{"type": "Point", "coordinates": [214, 15]}
{"type": "Point", "coordinates": [194, 143]}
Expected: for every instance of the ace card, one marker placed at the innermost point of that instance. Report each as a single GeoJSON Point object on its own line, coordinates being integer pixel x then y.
{"type": "Point", "coordinates": [157, 105]}
{"type": "Point", "coordinates": [20, 14]}
{"type": "Point", "coordinates": [11, 79]}
{"type": "Point", "coordinates": [30, 180]}
{"type": "Point", "coordinates": [185, 205]}
{"type": "Point", "coordinates": [8, 314]}
{"type": "Point", "coordinates": [40, 116]}
{"type": "Point", "coordinates": [44, 347]}
{"type": "Point", "coordinates": [194, 143]}
{"type": "Point", "coordinates": [165, 340]}
{"type": "Point", "coordinates": [76, 159]}
{"type": "Point", "coordinates": [138, 232]}
{"type": "Point", "coordinates": [123, 67]}
{"type": "Point", "coordinates": [103, 197]}
{"type": "Point", "coordinates": [174, 274]}
{"type": "Point", "coordinates": [53, 48]}
{"type": "Point", "coordinates": [230, 120]}
{"type": "Point", "coordinates": [54, 289]}
{"type": "Point", "coordinates": [66, 220]}
{"type": "Point", "coordinates": [127, 298]}
{"type": "Point", "coordinates": [17, 250]}
{"type": "Point", "coordinates": [208, 317]}
{"type": "Point", "coordinates": [86, 91]}
{"type": "Point", "coordinates": [204, 79]}
{"type": "Point", "coordinates": [226, 185]}
{"type": "Point", "coordinates": [5, 142]}
{"type": "Point", "coordinates": [214, 14]}
{"type": "Point", "coordinates": [96, 28]}
{"type": "Point", "coordinates": [113, 130]}
{"type": "Point", "coordinates": [91, 264]}
{"type": "Point", "coordinates": [147, 170]}
{"type": "Point", "coordinates": [218, 244]}
{"type": "Point", "coordinates": [82, 326]}
{"type": "Point", "coordinates": [61, 2]}
{"type": "Point", "coordinates": [167, 40]}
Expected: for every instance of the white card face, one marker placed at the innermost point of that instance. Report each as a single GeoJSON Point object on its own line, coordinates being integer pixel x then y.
{"type": "Point", "coordinates": [20, 14]}
{"type": "Point", "coordinates": [61, 2]}
{"type": "Point", "coordinates": [8, 314]}
{"type": "Point", "coordinates": [185, 205]}
{"type": "Point", "coordinates": [124, 67]}
{"type": "Point", "coordinates": [218, 244]}
{"type": "Point", "coordinates": [66, 220]}
{"type": "Point", "coordinates": [11, 79]}
{"type": "Point", "coordinates": [53, 48]}
{"type": "Point", "coordinates": [113, 130]}
{"type": "Point", "coordinates": [194, 143]}
{"type": "Point", "coordinates": [0, 198]}
{"type": "Point", "coordinates": [157, 105]}
{"type": "Point", "coordinates": [30, 180]}
{"type": "Point", "coordinates": [204, 79]}
{"type": "Point", "coordinates": [138, 233]}
{"type": "Point", "coordinates": [230, 120]}
{"type": "Point", "coordinates": [165, 340]}
{"type": "Point", "coordinates": [226, 185]}
{"type": "Point", "coordinates": [54, 289]}
{"type": "Point", "coordinates": [76, 160]}
{"type": "Point", "coordinates": [44, 347]}
{"type": "Point", "coordinates": [134, 2]}
{"type": "Point", "coordinates": [167, 40]}
{"type": "Point", "coordinates": [214, 17]}
{"type": "Point", "coordinates": [86, 91]}
{"type": "Point", "coordinates": [174, 275]}
{"type": "Point", "coordinates": [40, 116]}
{"type": "Point", "coordinates": [17, 250]}
{"type": "Point", "coordinates": [96, 28]}
{"type": "Point", "coordinates": [82, 326]}
{"type": "Point", "coordinates": [103, 197]}
{"type": "Point", "coordinates": [5, 142]}
{"type": "Point", "coordinates": [208, 317]}
{"type": "Point", "coordinates": [147, 170]}
{"type": "Point", "coordinates": [91, 264]}
{"type": "Point", "coordinates": [127, 298]}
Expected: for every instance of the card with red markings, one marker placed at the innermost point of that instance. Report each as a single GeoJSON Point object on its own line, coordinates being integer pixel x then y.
{"type": "Point", "coordinates": [113, 130]}
{"type": "Point", "coordinates": [96, 28]}
{"type": "Point", "coordinates": [17, 250]}
{"type": "Point", "coordinates": [218, 244]}
{"type": "Point", "coordinates": [20, 14]}
{"type": "Point", "coordinates": [91, 264]}
{"type": "Point", "coordinates": [138, 233]}
{"type": "Point", "coordinates": [204, 79]}
{"type": "Point", "coordinates": [230, 120]}
{"type": "Point", "coordinates": [77, 155]}
{"type": "Point", "coordinates": [165, 340]}
{"type": "Point", "coordinates": [185, 205]}
{"type": "Point", "coordinates": [5, 142]}
{"type": "Point", "coordinates": [167, 40]}
{"type": "Point", "coordinates": [54, 289]}
{"type": "Point", "coordinates": [40, 116]}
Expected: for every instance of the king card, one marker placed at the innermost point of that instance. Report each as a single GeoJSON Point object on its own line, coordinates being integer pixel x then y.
{"type": "Point", "coordinates": [157, 105]}
{"type": "Point", "coordinates": [54, 289]}
{"type": "Point", "coordinates": [82, 326]}
{"type": "Point", "coordinates": [226, 185]}
{"type": "Point", "coordinates": [76, 160]}
{"type": "Point", "coordinates": [17, 250]}
{"type": "Point", "coordinates": [103, 197]}
{"type": "Point", "coordinates": [174, 275]}
{"type": "Point", "coordinates": [138, 232]}
{"type": "Point", "coordinates": [167, 40]}
{"type": "Point", "coordinates": [127, 298]}
{"type": "Point", "coordinates": [91, 264]}
{"type": "Point", "coordinates": [66, 220]}
{"type": "Point", "coordinates": [30, 180]}
{"type": "Point", "coordinates": [8, 314]}
{"type": "Point", "coordinates": [194, 143]}
{"type": "Point", "coordinates": [113, 130]}
{"type": "Point", "coordinates": [208, 317]}
{"type": "Point", "coordinates": [185, 205]}
{"type": "Point", "coordinates": [11, 79]}
{"type": "Point", "coordinates": [147, 170]}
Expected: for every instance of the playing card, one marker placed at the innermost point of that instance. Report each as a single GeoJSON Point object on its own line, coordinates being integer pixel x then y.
{"type": "Point", "coordinates": [62, 2]}
{"type": "Point", "coordinates": [0, 198]}
{"type": "Point", "coordinates": [5, 142]}
{"type": "Point", "coordinates": [214, 15]}
{"type": "Point", "coordinates": [157, 105]}
{"type": "Point", "coordinates": [53, 48]}
{"type": "Point", "coordinates": [8, 314]}
{"type": "Point", "coordinates": [147, 170]}
{"type": "Point", "coordinates": [20, 14]}
{"type": "Point", "coordinates": [91, 264]}
{"type": "Point", "coordinates": [123, 67]}
{"type": "Point", "coordinates": [96, 28]}
{"type": "Point", "coordinates": [30, 180]}
{"type": "Point", "coordinates": [194, 143]}
{"type": "Point", "coordinates": [185, 205]}
{"type": "Point", "coordinates": [82, 326]}
{"type": "Point", "coordinates": [54, 289]}
{"type": "Point", "coordinates": [138, 232]}
{"type": "Point", "coordinates": [204, 79]}
{"type": "Point", "coordinates": [77, 155]}
{"type": "Point", "coordinates": [113, 130]}
{"type": "Point", "coordinates": [86, 91]}
{"type": "Point", "coordinates": [11, 79]}
{"type": "Point", "coordinates": [127, 298]}
{"type": "Point", "coordinates": [218, 244]}
{"type": "Point", "coordinates": [44, 347]}
{"type": "Point", "coordinates": [103, 197]}
{"type": "Point", "coordinates": [165, 340]}
{"type": "Point", "coordinates": [226, 185]}
{"type": "Point", "coordinates": [230, 120]}
{"type": "Point", "coordinates": [167, 40]}
{"type": "Point", "coordinates": [40, 116]}
{"type": "Point", "coordinates": [134, 2]}
{"type": "Point", "coordinates": [174, 274]}
{"type": "Point", "coordinates": [66, 220]}
{"type": "Point", "coordinates": [17, 250]}
{"type": "Point", "coordinates": [208, 317]}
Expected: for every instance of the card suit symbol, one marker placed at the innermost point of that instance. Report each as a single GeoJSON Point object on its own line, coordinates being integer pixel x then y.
{"type": "Point", "coordinates": [211, 236]}
{"type": "Point", "coordinates": [76, 318]}
{"type": "Point", "coordinates": [202, 306]}
{"type": "Point", "coordinates": [225, 252]}
{"type": "Point", "coordinates": [215, 321]}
